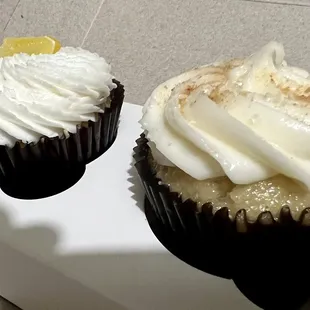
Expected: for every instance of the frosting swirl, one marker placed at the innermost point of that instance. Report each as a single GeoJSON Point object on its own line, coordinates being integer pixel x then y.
{"type": "Point", "coordinates": [247, 119]}
{"type": "Point", "coordinates": [48, 95]}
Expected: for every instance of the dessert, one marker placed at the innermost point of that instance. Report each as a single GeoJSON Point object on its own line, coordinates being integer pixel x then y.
{"type": "Point", "coordinates": [235, 134]}
{"type": "Point", "coordinates": [58, 104]}
{"type": "Point", "coordinates": [225, 165]}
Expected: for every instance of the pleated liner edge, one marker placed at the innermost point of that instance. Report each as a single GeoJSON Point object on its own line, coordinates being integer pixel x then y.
{"type": "Point", "coordinates": [184, 216]}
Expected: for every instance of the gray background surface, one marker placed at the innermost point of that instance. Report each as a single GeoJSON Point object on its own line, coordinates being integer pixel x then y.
{"type": "Point", "coordinates": [150, 41]}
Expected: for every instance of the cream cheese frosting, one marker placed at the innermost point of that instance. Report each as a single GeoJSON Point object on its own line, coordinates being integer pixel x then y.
{"type": "Point", "coordinates": [49, 95]}
{"type": "Point", "coordinates": [247, 119]}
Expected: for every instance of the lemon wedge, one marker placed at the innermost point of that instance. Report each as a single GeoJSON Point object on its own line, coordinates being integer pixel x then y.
{"type": "Point", "coordinates": [30, 46]}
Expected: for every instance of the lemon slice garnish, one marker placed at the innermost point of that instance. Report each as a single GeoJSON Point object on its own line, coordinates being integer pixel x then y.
{"type": "Point", "coordinates": [30, 46]}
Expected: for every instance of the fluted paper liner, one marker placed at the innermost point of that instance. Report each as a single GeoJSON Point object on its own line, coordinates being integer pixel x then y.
{"type": "Point", "coordinates": [265, 258]}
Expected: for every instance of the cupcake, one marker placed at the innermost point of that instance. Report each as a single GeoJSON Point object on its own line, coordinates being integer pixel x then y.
{"type": "Point", "coordinates": [60, 107]}
{"type": "Point", "coordinates": [224, 163]}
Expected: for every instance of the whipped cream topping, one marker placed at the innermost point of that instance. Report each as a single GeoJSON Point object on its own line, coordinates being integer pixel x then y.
{"type": "Point", "coordinates": [49, 95]}
{"type": "Point", "coordinates": [247, 119]}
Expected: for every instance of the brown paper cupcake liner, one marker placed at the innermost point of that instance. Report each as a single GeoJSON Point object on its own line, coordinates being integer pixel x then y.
{"type": "Point", "coordinates": [257, 256]}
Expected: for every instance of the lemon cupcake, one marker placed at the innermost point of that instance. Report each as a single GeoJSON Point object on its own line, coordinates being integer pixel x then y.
{"type": "Point", "coordinates": [58, 104]}
{"type": "Point", "coordinates": [224, 161]}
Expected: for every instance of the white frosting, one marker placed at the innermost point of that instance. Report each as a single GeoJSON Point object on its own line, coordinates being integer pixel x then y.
{"type": "Point", "coordinates": [249, 120]}
{"type": "Point", "coordinates": [48, 95]}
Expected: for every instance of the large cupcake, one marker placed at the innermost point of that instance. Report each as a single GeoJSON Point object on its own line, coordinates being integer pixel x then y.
{"type": "Point", "coordinates": [224, 161]}
{"type": "Point", "coordinates": [59, 106]}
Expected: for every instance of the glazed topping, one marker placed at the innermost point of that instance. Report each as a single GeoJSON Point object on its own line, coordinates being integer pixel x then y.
{"type": "Point", "coordinates": [50, 94]}
{"type": "Point", "coordinates": [246, 119]}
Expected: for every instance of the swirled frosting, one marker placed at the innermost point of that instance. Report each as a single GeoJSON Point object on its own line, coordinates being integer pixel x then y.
{"type": "Point", "coordinates": [48, 95]}
{"type": "Point", "coordinates": [248, 119]}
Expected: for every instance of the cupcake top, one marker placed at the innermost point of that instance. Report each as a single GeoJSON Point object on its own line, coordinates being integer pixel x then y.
{"type": "Point", "coordinates": [247, 119]}
{"type": "Point", "coordinates": [50, 94]}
